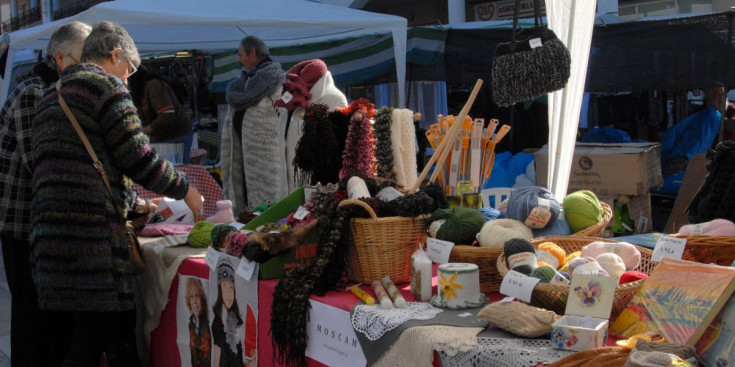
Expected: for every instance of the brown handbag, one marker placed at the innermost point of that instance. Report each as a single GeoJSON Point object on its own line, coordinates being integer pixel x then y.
{"type": "Point", "coordinates": [131, 237]}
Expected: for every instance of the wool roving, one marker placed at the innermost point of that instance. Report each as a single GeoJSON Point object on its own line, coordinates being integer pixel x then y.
{"type": "Point", "coordinates": [520, 255]}
{"type": "Point", "coordinates": [715, 227]}
{"type": "Point", "coordinates": [586, 266]}
{"type": "Point", "coordinates": [632, 275]}
{"type": "Point", "coordinates": [612, 263]}
{"type": "Point", "coordinates": [457, 225]}
{"type": "Point", "coordinates": [218, 234]}
{"type": "Point", "coordinates": [551, 254]}
{"type": "Point", "coordinates": [533, 205]}
{"type": "Point", "coordinates": [582, 209]}
{"type": "Point", "coordinates": [496, 232]}
{"type": "Point", "coordinates": [559, 227]}
{"type": "Point", "coordinates": [627, 251]}
{"type": "Point", "coordinates": [200, 234]}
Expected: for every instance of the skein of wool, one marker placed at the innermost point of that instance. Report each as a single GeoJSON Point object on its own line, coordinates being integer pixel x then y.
{"type": "Point", "coordinates": [496, 232]}
{"type": "Point", "coordinates": [627, 251]}
{"type": "Point", "coordinates": [218, 234]}
{"type": "Point", "coordinates": [520, 255]}
{"type": "Point", "coordinates": [612, 264]}
{"type": "Point", "coordinates": [533, 205]}
{"type": "Point", "coordinates": [559, 227]}
{"type": "Point", "coordinates": [582, 209]}
{"type": "Point", "coordinates": [457, 225]}
{"type": "Point", "coordinates": [715, 227]}
{"type": "Point", "coordinates": [551, 254]}
{"type": "Point", "coordinates": [201, 234]}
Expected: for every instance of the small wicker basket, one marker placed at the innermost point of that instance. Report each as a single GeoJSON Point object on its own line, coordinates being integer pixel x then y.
{"type": "Point", "coordinates": [718, 250]}
{"type": "Point", "coordinates": [486, 258]}
{"type": "Point", "coordinates": [381, 246]}
{"type": "Point", "coordinates": [554, 297]}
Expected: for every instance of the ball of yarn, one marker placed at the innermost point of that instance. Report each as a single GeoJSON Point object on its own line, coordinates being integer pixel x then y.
{"type": "Point", "coordinates": [551, 254]}
{"type": "Point", "coordinates": [582, 210]}
{"type": "Point", "coordinates": [525, 201]}
{"type": "Point", "coordinates": [627, 251]}
{"type": "Point", "coordinates": [218, 234]}
{"type": "Point", "coordinates": [569, 259]}
{"type": "Point", "coordinates": [588, 268]}
{"type": "Point", "coordinates": [234, 243]}
{"type": "Point", "coordinates": [520, 255]}
{"type": "Point", "coordinates": [200, 234]}
{"type": "Point", "coordinates": [580, 261]}
{"type": "Point", "coordinates": [457, 224]}
{"type": "Point", "coordinates": [612, 264]}
{"type": "Point", "coordinates": [496, 232]}
{"type": "Point", "coordinates": [715, 227]}
{"type": "Point", "coordinates": [545, 273]}
{"type": "Point", "coordinates": [632, 275]}
{"type": "Point", "coordinates": [559, 227]}
{"type": "Point", "coordinates": [491, 213]}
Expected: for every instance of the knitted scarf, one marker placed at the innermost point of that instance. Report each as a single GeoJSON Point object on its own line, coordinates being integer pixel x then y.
{"type": "Point", "coordinates": [254, 85]}
{"type": "Point", "coordinates": [317, 152]}
{"type": "Point", "coordinates": [291, 297]}
{"type": "Point", "coordinates": [383, 145]}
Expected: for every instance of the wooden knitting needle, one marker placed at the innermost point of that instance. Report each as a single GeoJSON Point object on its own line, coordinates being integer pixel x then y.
{"type": "Point", "coordinates": [462, 114]}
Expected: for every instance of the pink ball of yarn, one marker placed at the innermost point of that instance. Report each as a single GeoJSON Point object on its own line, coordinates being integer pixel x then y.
{"type": "Point", "coordinates": [632, 276]}
{"type": "Point", "coordinates": [627, 251]}
{"type": "Point", "coordinates": [715, 227]}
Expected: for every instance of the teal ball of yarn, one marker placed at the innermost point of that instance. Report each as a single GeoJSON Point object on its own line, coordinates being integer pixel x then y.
{"type": "Point", "coordinates": [582, 209]}
{"type": "Point", "coordinates": [460, 225]}
{"type": "Point", "coordinates": [218, 234]}
{"type": "Point", "coordinates": [522, 201]}
{"type": "Point", "coordinates": [545, 273]}
{"type": "Point", "coordinates": [200, 234]}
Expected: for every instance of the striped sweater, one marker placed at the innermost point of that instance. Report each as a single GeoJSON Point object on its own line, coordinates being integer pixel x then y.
{"type": "Point", "coordinates": [78, 252]}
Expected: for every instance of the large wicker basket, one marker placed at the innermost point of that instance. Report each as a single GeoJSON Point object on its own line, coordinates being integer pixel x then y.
{"type": "Point", "coordinates": [718, 250]}
{"type": "Point", "coordinates": [381, 246]}
{"type": "Point", "coordinates": [486, 258]}
{"type": "Point", "coordinates": [599, 227]}
{"type": "Point", "coordinates": [554, 297]}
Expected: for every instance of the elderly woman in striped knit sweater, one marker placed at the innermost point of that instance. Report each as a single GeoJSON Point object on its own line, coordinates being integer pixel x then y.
{"type": "Point", "coordinates": [78, 251]}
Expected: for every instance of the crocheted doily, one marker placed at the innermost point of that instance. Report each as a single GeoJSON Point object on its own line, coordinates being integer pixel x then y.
{"type": "Point", "coordinates": [374, 321]}
{"type": "Point", "coordinates": [500, 352]}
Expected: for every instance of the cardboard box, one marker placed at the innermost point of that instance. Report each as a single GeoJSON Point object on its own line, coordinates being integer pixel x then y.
{"type": "Point", "coordinates": [630, 168]}
{"type": "Point", "coordinates": [638, 209]}
{"type": "Point", "coordinates": [585, 321]}
{"type": "Point", "coordinates": [301, 254]}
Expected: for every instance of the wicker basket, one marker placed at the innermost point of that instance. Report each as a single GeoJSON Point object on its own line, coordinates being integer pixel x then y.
{"type": "Point", "coordinates": [381, 246]}
{"type": "Point", "coordinates": [554, 297]}
{"type": "Point", "coordinates": [486, 258]}
{"type": "Point", "coordinates": [718, 250]}
{"type": "Point", "coordinates": [597, 229]}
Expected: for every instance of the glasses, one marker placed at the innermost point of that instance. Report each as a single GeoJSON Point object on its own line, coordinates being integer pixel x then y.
{"type": "Point", "coordinates": [73, 58]}
{"type": "Point", "coordinates": [132, 70]}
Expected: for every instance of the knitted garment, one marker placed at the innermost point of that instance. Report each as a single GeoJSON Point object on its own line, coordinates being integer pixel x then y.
{"type": "Point", "coordinates": [161, 110]}
{"type": "Point", "coordinates": [254, 85]}
{"type": "Point", "coordinates": [299, 80]}
{"type": "Point", "coordinates": [358, 158]}
{"type": "Point", "coordinates": [383, 144]}
{"type": "Point", "coordinates": [716, 196]}
{"type": "Point", "coordinates": [79, 254]}
{"type": "Point", "coordinates": [505, 352]}
{"type": "Point", "coordinates": [322, 92]}
{"type": "Point", "coordinates": [416, 345]}
{"type": "Point", "coordinates": [403, 137]}
{"type": "Point", "coordinates": [317, 158]}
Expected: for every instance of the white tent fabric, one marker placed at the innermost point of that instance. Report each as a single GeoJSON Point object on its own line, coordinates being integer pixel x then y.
{"type": "Point", "coordinates": [222, 24]}
{"type": "Point", "coordinates": [572, 21]}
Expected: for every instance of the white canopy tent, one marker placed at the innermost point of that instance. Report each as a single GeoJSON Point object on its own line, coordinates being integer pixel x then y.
{"type": "Point", "coordinates": [221, 24]}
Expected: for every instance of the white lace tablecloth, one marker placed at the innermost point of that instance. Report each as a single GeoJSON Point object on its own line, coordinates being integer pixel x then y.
{"type": "Point", "coordinates": [502, 352]}
{"type": "Point", "coordinates": [374, 321]}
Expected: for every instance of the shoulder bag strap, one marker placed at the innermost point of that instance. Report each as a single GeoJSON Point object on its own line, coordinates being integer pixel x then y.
{"type": "Point", "coordinates": [95, 161]}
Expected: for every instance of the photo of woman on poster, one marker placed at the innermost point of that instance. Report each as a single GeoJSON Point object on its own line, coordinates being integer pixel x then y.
{"type": "Point", "coordinates": [200, 337]}
{"type": "Point", "coordinates": [235, 337]}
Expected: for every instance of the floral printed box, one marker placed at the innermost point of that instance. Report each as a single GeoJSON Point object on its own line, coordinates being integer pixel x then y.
{"type": "Point", "coordinates": [584, 324]}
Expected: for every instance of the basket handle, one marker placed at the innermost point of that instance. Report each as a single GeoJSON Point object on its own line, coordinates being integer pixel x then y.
{"type": "Point", "coordinates": [358, 203]}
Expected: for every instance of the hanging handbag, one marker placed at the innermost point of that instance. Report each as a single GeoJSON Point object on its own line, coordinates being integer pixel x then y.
{"type": "Point", "coordinates": [532, 67]}
{"type": "Point", "coordinates": [131, 237]}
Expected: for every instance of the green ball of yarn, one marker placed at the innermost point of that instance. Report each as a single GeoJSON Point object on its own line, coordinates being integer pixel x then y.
{"type": "Point", "coordinates": [200, 234]}
{"type": "Point", "coordinates": [460, 225]}
{"type": "Point", "coordinates": [218, 234]}
{"type": "Point", "coordinates": [545, 273]}
{"type": "Point", "coordinates": [582, 210]}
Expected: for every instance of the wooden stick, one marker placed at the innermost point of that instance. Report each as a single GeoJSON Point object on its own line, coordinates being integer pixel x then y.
{"type": "Point", "coordinates": [451, 135]}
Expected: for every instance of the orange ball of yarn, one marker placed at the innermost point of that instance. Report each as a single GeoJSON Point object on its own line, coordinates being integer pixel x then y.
{"type": "Point", "coordinates": [551, 254]}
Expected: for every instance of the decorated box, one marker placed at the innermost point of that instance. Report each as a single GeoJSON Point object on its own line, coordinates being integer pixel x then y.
{"type": "Point", "coordinates": [585, 321]}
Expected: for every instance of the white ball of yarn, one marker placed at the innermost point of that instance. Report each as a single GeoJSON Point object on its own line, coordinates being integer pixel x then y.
{"type": "Point", "coordinates": [612, 263]}
{"type": "Point", "coordinates": [497, 231]}
{"type": "Point", "coordinates": [627, 251]}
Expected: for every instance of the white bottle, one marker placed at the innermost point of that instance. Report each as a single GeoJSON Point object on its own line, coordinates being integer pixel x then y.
{"type": "Point", "coordinates": [356, 188]}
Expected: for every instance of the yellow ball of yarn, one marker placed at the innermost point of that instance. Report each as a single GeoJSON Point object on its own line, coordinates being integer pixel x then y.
{"type": "Point", "coordinates": [582, 209]}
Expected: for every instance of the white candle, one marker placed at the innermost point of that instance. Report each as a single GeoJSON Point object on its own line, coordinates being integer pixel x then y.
{"type": "Point", "coordinates": [382, 295]}
{"type": "Point", "coordinates": [398, 299]}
